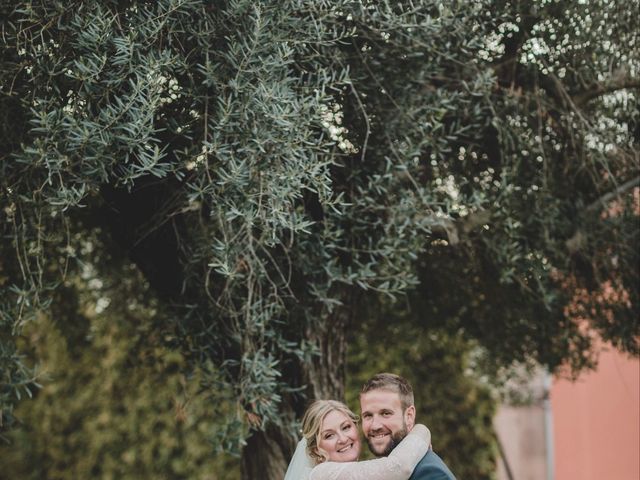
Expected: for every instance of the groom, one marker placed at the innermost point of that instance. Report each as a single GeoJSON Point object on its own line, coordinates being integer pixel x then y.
{"type": "Point", "coordinates": [388, 414]}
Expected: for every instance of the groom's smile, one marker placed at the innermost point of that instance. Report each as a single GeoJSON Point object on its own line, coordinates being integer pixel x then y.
{"type": "Point", "coordinates": [383, 421]}
{"type": "Point", "coordinates": [378, 440]}
{"type": "Point", "coordinates": [379, 436]}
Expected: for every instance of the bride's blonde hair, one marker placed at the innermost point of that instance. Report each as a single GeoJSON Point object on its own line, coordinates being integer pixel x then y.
{"type": "Point", "coordinates": [312, 423]}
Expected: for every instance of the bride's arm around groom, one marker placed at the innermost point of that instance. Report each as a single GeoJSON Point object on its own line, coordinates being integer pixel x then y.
{"type": "Point", "coordinates": [399, 465]}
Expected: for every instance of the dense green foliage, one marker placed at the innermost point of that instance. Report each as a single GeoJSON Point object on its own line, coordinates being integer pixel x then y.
{"type": "Point", "coordinates": [274, 167]}
{"type": "Point", "coordinates": [116, 402]}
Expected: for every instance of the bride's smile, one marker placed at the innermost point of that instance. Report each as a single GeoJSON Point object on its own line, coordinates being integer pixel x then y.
{"type": "Point", "coordinates": [339, 438]}
{"type": "Point", "coordinates": [345, 449]}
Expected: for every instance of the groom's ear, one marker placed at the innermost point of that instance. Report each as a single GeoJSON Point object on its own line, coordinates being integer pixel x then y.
{"type": "Point", "coordinates": [410, 417]}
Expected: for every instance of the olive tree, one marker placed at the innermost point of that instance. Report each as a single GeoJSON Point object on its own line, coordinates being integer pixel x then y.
{"type": "Point", "coordinates": [273, 168]}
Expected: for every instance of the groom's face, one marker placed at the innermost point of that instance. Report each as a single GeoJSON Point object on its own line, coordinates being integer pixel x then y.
{"type": "Point", "coordinates": [384, 422]}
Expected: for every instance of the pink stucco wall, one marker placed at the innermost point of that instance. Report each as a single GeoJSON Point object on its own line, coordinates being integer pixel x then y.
{"type": "Point", "coordinates": [596, 422]}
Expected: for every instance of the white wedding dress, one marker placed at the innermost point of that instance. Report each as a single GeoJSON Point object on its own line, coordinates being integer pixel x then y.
{"type": "Point", "coordinates": [397, 466]}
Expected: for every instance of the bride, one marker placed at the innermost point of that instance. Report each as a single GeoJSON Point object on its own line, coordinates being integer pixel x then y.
{"type": "Point", "coordinates": [330, 448]}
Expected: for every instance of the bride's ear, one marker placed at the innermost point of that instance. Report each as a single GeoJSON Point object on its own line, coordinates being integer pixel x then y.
{"type": "Point", "coordinates": [410, 417]}
{"type": "Point", "coordinates": [324, 456]}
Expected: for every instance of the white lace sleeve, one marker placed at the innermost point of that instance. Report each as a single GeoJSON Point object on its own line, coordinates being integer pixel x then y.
{"type": "Point", "coordinates": [397, 466]}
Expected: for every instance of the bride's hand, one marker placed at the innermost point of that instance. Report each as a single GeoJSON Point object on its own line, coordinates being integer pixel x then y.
{"type": "Point", "coordinates": [422, 431]}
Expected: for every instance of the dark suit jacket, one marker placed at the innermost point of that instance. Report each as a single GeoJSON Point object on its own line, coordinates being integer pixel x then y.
{"type": "Point", "coordinates": [431, 467]}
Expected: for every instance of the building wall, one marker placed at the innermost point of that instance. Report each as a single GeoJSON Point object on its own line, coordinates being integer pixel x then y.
{"type": "Point", "coordinates": [595, 431]}
{"type": "Point", "coordinates": [597, 421]}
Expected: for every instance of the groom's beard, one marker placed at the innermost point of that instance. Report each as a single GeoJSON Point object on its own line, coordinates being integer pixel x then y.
{"type": "Point", "coordinates": [396, 438]}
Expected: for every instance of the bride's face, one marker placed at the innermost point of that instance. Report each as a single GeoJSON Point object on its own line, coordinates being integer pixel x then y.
{"type": "Point", "coordinates": [339, 438]}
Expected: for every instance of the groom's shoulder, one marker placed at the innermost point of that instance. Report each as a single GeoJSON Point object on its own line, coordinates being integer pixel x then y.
{"type": "Point", "coordinates": [431, 467]}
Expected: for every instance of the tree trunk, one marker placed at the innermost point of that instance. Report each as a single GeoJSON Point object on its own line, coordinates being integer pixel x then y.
{"type": "Point", "coordinates": [267, 454]}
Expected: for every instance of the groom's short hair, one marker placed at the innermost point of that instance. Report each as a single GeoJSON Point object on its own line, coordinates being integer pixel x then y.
{"type": "Point", "coordinates": [392, 383]}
